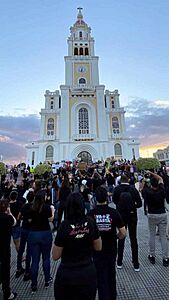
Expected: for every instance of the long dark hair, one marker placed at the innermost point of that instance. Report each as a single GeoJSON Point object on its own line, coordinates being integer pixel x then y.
{"type": "Point", "coordinates": [75, 208]}
{"type": "Point", "coordinates": [4, 204]}
{"type": "Point", "coordinates": [65, 183]}
{"type": "Point", "coordinates": [39, 201]}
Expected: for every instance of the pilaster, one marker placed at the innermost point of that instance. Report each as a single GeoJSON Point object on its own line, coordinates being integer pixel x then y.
{"type": "Point", "coordinates": [101, 113]}
{"type": "Point", "coordinates": [64, 116]}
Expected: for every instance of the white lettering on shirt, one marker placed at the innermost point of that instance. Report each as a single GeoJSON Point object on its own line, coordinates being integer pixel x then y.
{"type": "Point", "coordinates": [103, 222]}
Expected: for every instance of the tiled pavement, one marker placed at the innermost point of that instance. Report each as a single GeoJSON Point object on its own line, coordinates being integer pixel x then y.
{"type": "Point", "coordinates": [152, 282]}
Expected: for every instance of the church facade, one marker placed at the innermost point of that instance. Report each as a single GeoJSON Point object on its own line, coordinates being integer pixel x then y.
{"type": "Point", "coordinates": [82, 120]}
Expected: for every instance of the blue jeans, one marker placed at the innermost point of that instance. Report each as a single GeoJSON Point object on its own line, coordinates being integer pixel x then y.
{"type": "Point", "coordinates": [23, 241]}
{"type": "Point", "coordinates": [40, 243]}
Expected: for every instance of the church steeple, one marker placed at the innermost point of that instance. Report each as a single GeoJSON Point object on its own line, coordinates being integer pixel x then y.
{"type": "Point", "coordinates": [81, 64]}
{"type": "Point", "coordinates": [80, 42]}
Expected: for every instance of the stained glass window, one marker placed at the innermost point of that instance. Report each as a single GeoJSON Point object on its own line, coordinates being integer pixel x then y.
{"type": "Point", "coordinates": [117, 150]}
{"type": "Point", "coordinates": [50, 126]}
{"type": "Point", "coordinates": [83, 121]}
{"type": "Point", "coordinates": [49, 153]}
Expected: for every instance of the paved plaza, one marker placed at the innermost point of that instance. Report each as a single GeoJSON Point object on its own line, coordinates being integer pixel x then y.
{"type": "Point", "coordinates": [152, 282]}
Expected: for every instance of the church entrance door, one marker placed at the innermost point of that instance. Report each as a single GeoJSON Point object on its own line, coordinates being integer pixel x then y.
{"type": "Point", "coordinates": [85, 156]}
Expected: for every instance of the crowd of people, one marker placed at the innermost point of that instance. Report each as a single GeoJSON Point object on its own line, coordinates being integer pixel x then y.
{"type": "Point", "coordinates": [69, 214]}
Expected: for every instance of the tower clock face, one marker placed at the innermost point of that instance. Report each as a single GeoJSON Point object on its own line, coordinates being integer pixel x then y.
{"type": "Point", "coordinates": [81, 69]}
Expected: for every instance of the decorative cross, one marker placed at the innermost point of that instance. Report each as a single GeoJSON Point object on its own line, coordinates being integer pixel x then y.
{"type": "Point", "coordinates": [80, 8]}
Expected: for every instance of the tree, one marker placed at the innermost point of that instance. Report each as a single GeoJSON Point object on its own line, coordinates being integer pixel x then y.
{"type": "Point", "coordinates": [2, 168]}
{"type": "Point", "coordinates": [42, 169]}
{"type": "Point", "coordinates": [147, 163]}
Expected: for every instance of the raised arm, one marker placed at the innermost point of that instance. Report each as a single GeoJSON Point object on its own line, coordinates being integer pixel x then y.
{"type": "Point", "coordinates": [159, 178]}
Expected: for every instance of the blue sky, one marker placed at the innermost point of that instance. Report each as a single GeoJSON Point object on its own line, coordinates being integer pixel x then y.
{"type": "Point", "coordinates": [131, 39]}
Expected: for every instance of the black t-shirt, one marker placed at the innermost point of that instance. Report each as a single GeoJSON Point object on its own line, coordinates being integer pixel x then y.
{"type": "Point", "coordinates": [107, 220]}
{"type": "Point", "coordinates": [26, 215]}
{"type": "Point", "coordinates": [63, 194]}
{"type": "Point", "coordinates": [15, 208]}
{"type": "Point", "coordinates": [39, 220]}
{"type": "Point", "coordinates": [155, 200]}
{"type": "Point", "coordinates": [96, 182]}
{"type": "Point", "coordinates": [6, 223]}
{"type": "Point", "coordinates": [110, 179]}
{"type": "Point", "coordinates": [77, 241]}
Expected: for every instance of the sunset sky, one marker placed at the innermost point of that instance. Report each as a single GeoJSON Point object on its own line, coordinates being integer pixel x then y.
{"type": "Point", "coordinates": [131, 40]}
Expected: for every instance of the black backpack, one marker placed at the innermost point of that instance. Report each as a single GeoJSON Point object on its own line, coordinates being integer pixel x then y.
{"type": "Point", "coordinates": [126, 203]}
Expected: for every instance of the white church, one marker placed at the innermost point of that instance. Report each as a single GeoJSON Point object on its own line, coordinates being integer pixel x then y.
{"type": "Point", "coordinates": [82, 120]}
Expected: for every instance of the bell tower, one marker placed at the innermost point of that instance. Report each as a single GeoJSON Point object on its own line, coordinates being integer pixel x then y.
{"type": "Point", "coordinates": [81, 64]}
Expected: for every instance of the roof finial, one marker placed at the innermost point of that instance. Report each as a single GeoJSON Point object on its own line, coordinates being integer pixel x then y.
{"type": "Point", "coordinates": [80, 16]}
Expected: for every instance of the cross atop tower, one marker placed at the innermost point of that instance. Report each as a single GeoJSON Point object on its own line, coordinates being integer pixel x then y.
{"type": "Point", "coordinates": [80, 12]}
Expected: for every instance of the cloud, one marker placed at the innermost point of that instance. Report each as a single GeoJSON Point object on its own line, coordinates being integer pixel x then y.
{"type": "Point", "coordinates": [15, 133]}
{"type": "Point", "coordinates": [162, 102]}
{"type": "Point", "coordinates": [151, 121]}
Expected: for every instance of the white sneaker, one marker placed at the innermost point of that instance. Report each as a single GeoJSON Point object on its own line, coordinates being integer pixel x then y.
{"type": "Point", "coordinates": [136, 269]}
{"type": "Point", "coordinates": [119, 266]}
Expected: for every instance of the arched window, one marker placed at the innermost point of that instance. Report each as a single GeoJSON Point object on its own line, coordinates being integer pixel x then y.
{"type": "Point", "coordinates": [117, 150]}
{"type": "Point", "coordinates": [83, 121]}
{"type": "Point", "coordinates": [82, 81]}
{"type": "Point", "coordinates": [49, 153]}
{"type": "Point", "coordinates": [50, 127]}
{"type": "Point", "coordinates": [51, 105]}
{"type": "Point", "coordinates": [76, 51]}
{"type": "Point", "coordinates": [112, 104]}
{"type": "Point", "coordinates": [115, 125]}
{"type": "Point", "coordinates": [80, 35]}
{"type": "Point", "coordinates": [81, 51]}
{"type": "Point", "coordinates": [86, 51]}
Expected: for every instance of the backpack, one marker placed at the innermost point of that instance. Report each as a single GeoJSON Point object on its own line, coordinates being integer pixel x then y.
{"type": "Point", "coordinates": [126, 203]}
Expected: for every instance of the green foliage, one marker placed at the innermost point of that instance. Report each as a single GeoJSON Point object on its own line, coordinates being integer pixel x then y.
{"type": "Point", "coordinates": [147, 163]}
{"type": "Point", "coordinates": [2, 168]}
{"type": "Point", "coordinates": [42, 169]}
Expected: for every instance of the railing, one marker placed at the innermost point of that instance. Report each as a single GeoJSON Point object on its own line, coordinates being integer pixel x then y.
{"type": "Point", "coordinates": [117, 135]}
{"type": "Point", "coordinates": [82, 137]}
{"type": "Point", "coordinates": [115, 109]}
{"type": "Point", "coordinates": [50, 137]}
{"type": "Point", "coordinates": [83, 86]}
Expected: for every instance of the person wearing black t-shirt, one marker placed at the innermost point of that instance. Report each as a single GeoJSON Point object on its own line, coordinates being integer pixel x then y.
{"type": "Point", "coordinates": [108, 220]}
{"type": "Point", "coordinates": [63, 194]}
{"type": "Point", "coordinates": [24, 215]}
{"type": "Point", "coordinates": [40, 237]}
{"type": "Point", "coordinates": [128, 200]}
{"type": "Point", "coordinates": [154, 201]}
{"type": "Point", "coordinates": [7, 220]}
{"type": "Point", "coordinates": [15, 206]}
{"type": "Point", "coordinates": [76, 238]}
